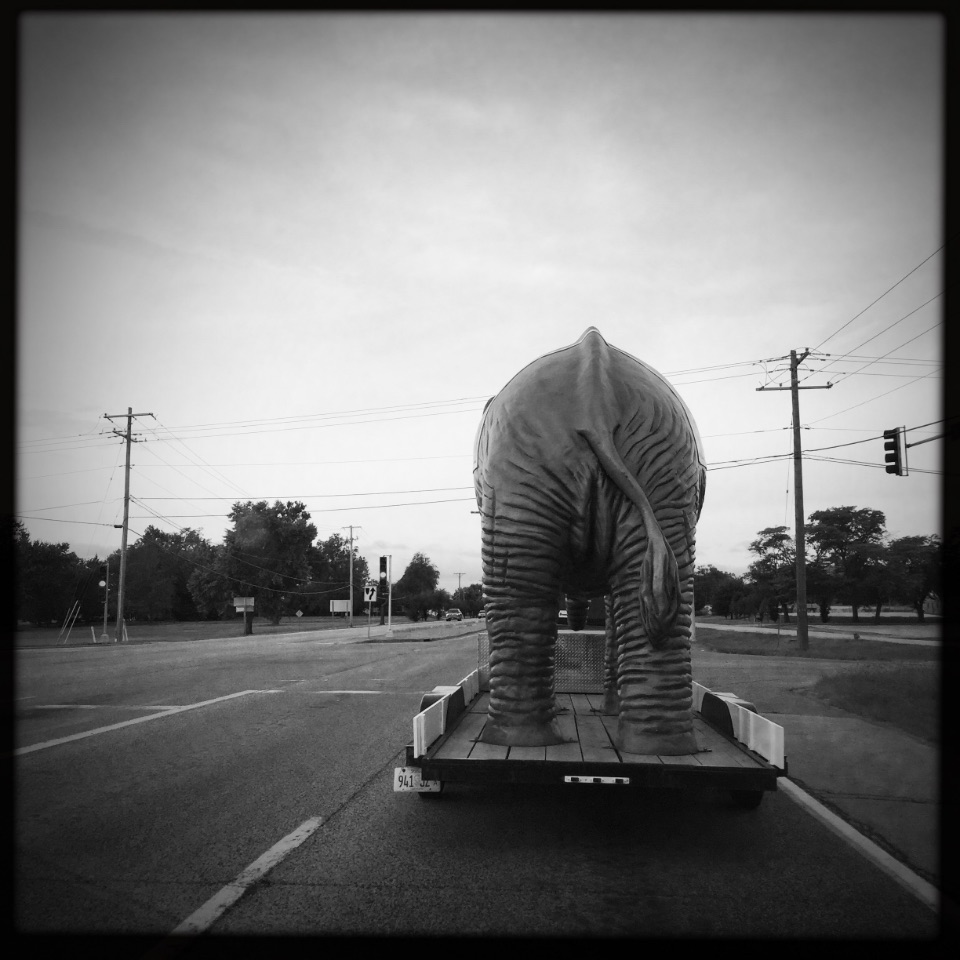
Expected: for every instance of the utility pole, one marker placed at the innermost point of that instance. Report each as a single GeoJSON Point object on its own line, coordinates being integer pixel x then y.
{"type": "Point", "coordinates": [106, 599]}
{"type": "Point", "coordinates": [801, 559]}
{"type": "Point", "coordinates": [459, 591]}
{"type": "Point", "coordinates": [128, 437]}
{"type": "Point", "coordinates": [350, 528]}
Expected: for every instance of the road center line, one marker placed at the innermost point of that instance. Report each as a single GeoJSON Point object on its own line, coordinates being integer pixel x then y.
{"type": "Point", "coordinates": [129, 723]}
{"type": "Point", "coordinates": [204, 918]}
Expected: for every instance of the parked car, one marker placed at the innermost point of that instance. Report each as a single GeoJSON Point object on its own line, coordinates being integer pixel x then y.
{"type": "Point", "coordinates": [453, 614]}
{"type": "Point", "coordinates": [482, 615]}
{"type": "Point", "coordinates": [562, 616]}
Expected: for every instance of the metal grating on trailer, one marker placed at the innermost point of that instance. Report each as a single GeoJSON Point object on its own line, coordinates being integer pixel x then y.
{"type": "Point", "coordinates": [578, 665]}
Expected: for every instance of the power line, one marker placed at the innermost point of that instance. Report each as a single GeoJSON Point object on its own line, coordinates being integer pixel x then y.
{"type": "Point", "coordinates": [308, 496]}
{"type": "Point", "coordinates": [892, 325]}
{"type": "Point", "coordinates": [369, 506]}
{"type": "Point", "coordinates": [830, 416]}
{"type": "Point", "coordinates": [882, 295]}
{"type": "Point", "coordinates": [340, 413]}
{"type": "Point", "coordinates": [195, 456]}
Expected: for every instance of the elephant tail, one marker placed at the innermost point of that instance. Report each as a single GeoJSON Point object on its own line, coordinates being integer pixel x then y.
{"type": "Point", "coordinates": [659, 573]}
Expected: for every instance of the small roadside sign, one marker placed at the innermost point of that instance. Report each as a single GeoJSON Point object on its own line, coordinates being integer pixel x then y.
{"type": "Point", "coordinates": [370, 593]}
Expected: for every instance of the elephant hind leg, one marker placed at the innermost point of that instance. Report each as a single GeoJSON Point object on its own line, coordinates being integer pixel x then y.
{"type": "Point", "coordinates": [654, 683]}
{"type": "Point", "coordinates": [522, 710]}
{"type": "Point", "coordinates": [611, 698]}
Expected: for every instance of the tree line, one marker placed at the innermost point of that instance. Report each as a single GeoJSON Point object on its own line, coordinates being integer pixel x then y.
{"type": "Point", "coordinates": [850, 560]}
{"type": "Point", "coordinates": [270, 552]}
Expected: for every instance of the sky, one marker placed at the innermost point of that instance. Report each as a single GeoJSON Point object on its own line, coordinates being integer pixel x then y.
{"type": "Point", "coordinates": [305, 249]}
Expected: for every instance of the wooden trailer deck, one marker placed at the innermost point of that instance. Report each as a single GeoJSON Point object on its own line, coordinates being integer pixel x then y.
{"type": "Point", "coordinates": [590, 740]}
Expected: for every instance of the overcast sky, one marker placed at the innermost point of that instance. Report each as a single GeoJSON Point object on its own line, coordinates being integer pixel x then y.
{"type": "Point", "coordinates": [312, 246]}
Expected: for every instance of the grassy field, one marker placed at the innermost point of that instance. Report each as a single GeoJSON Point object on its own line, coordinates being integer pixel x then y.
{"type": "Point", "coordinates": [906, 695]}
{"type": "Point", "coordinates": [818, 648]}
{"type": "Point", "coordinates": [898, 683]}
{"type": "Point", "coordinates": [137, 632]}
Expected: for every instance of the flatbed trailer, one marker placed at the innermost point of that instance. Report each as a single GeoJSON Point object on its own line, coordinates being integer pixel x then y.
{"type": "Point", "coordinates": [740, 751]}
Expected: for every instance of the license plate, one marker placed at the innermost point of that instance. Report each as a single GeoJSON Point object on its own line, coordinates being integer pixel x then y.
{"type": "Point", "coordinates": [408, 780]}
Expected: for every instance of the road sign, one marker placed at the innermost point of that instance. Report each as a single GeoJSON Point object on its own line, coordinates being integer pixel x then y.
{"type": "Point", "coordinates": [370, 593]}
{"type": "Point", "coordinates": [299, 613]}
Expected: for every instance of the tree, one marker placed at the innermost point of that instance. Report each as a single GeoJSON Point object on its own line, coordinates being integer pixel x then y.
{"type": "Point", "coordinates": [842, 537]}
{"type": "Point", "coordinates": [728, 599]}
{"type": "Point", "coordinates": [774, 572]}
{"type": "Point", "coordinates": [267, 553]}
{"type": "Point", "coordinates": [329, 563]}
{"type": "Point", "coordinates": [159, 568]}
{"type": "Point", "coordinates": [209, 585]}
{"type": "Point", "coordinates": [711, 585]}
{"type": "Point", "coordinates": [417, 587]}
{"type": "Point", "coordinates": [915, 564]}
{"type": "Point", "coordinates": [50, 577]}
{"type": "Point", "coordinates": [877, 581]}
{"type": "Point", "coordinates": [822, 586]}
{"type": "Point", "coordinates": [471, 599]}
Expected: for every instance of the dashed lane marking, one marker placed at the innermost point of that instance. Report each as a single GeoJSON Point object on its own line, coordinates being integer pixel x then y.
{"type": "Point", "coordinates": [34, 747]}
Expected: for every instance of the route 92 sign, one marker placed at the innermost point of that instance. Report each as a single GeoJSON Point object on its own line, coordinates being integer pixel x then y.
{"type": "Point", "coordinates": [370, 593]}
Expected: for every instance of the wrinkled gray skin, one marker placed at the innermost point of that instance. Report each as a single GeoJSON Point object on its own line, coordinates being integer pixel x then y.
{"type": "Point", "coordinates": [589, 476]}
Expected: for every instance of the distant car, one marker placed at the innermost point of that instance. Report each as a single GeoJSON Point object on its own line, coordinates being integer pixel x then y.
{"type": "Point", "coordinates": [482, 615]}
{"type": "Point", "coordinates": [453, 614]}
{"type": "Point", "coordinates": [562, 616]}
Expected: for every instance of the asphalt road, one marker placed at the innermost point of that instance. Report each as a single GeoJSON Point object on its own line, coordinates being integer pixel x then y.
{"type": "Point", "coordinates": [132, 828]}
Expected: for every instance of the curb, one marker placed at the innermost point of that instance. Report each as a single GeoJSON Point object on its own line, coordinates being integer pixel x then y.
{"type": "Point", "coordinates": [924, 891]}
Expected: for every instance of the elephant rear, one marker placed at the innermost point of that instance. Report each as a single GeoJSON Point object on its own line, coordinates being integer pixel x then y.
{"type": "Point", "coordinates": [589, 477]}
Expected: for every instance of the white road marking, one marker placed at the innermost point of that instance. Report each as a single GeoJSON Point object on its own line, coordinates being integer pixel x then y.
{"type": "Point", "coordinates": [202, 919]}
{"type": "Point", "coordinates": [347, 691]}
{"type": "Point", "coordinates": [104, 706]}
{"type": "Point", "coordinates": [920, 888]}
{"type": "Point", "coordinates": [129, 723]}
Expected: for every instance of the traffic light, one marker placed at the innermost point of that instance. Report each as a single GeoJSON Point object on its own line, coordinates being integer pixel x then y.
{"type": "Point", "coordinates": [383, 571]}
{"type": "Point", "coordinates": [894, 452]}
{"type": "Point", "coordinates": [104, 581]}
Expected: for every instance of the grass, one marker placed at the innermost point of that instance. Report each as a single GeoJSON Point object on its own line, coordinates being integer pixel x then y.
{"type": "Point", "coordinates": [866, 620]}
{"type": "Point", "coordinates": [819, 648]}
{"type": "Point", "coordinates": [906, 696]}
{"type": "Point", "coordinates": [897, 683]}
{"type": "Point", "coordinates": [144, 632]}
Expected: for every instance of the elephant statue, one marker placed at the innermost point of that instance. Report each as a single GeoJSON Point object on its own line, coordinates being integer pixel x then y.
{"type": "Point", "coordinates": [590, 476]}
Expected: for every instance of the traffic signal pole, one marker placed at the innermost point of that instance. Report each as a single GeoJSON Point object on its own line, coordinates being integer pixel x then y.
{"type": "Point", "coordinates": [390, 595]}
{"type": "Point", "coordinates": [801, 551]}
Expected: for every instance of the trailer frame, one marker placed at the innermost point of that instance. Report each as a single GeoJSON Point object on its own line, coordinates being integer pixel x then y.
{"type": "Point", "coordinates": [741, 751]}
